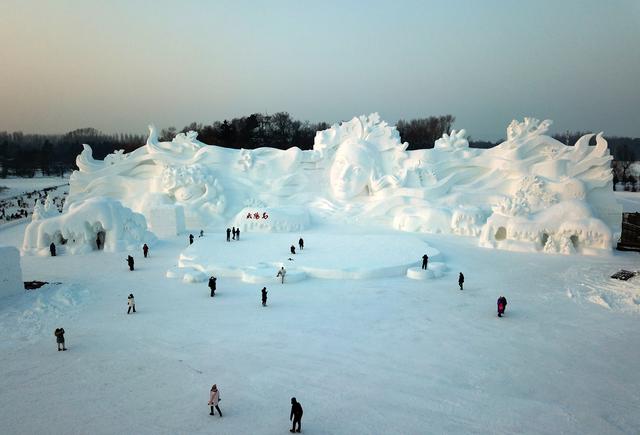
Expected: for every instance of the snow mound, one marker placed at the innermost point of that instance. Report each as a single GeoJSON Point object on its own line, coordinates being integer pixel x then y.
{"type": "Point", "coordinates": [31, 314]}
{"type": "Point", "coordinates": [79, 229]}
{"type": "Point", "coordinates": [597, 287]}
{"type": "Point", "coordinates": [435, 270]}
{"type": "Point", "coordinates": [10, 271]}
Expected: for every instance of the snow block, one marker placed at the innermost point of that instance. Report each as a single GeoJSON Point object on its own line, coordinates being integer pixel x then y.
{"type": "Point", "coordinates": [10, 271]}
{"type": "Point", "coordinates": [166, 221]}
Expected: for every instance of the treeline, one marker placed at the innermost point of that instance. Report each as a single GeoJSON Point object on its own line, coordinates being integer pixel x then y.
{"type": "Point", "coordinates": [278, 130]}
{"type": "Point", "coordinates": [28, 154]}
{"type": "Point", "coordinates": [24, 155]}
{"type": "Point", "coordinates": [281, 131]}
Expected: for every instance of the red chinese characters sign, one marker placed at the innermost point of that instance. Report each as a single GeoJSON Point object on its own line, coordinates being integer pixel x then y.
{"type": "Point", "coordinates": [257, 215]}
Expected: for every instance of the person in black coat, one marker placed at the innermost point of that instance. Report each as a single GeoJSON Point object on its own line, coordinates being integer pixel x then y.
{"type": "Point", "coordinates": [228, 234]}
{"type": "Point", "coordinates": [237, 233]}
{"type": "Point", "coordinates": [233, 233]}
{"type": "Point", "coordinates": [425, 260]}
{"type": "Point", "coordinates": [296, 415]}
{"type": "Point", "coordinates": [130, 262]}
{"type": "Point", "coordinates": [292, 249]}
{"type": "Point", "coordinates": [502, 305]}
{"type": "Point", "coordinates": [52, 249]}
{"type": "Point", "coordinates": [301, 243]}
{"type": "Point", "coordinates": [59, 333]}
{"type": "Point", "coordinates": [264, 296]}
{"type": "Point", "coordinates": [191, 239]}
{"type": "Point", "coordinates": [145, 250]}
{"type": "Point", "coordinates": [212, 285]}
{"type": "Point", "coordinates": [460, 280]}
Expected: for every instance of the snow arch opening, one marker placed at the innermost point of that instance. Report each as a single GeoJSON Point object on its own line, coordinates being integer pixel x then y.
{"type": "Point", "coordinates": [501, 234]}
{"type": "Point", "coordinates": [575, 241]}
{"type": "Point", "coordinates": [544, 239]}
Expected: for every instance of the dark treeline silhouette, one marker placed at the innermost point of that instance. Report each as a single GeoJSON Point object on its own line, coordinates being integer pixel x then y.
{"type": "Point", "coordinates": [278, 130]}
{"type": "Point", "coordinates": [25, 155]}
{"type": "Point", "coordinates": [422, 133]}
{"type": "Point", "coordinates": [28, 154]}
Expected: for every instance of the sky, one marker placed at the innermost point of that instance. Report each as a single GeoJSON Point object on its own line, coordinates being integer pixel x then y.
{"type": "Point", "coordinates": [119, 65]}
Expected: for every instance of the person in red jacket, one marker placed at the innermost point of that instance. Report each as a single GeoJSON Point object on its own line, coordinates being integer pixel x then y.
{"type": "Point", "coordinates": [502, 304]}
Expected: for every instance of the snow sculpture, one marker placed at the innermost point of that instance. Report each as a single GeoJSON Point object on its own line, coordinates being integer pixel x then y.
{"type": "Point", "coordinates": [83, 223]}
{"type": "Point", "coordinates": [517, 195]}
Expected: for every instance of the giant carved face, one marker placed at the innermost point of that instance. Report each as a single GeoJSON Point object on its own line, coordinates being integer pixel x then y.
{"type": "Point", "coordinates": [350, 171]}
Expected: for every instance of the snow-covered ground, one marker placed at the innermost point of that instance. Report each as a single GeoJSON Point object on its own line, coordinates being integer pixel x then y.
{"type": "Point", "coordinates": [10, 187]}
{"type": "Point", "coordinates": [375, 356]}
{"type": "Point", "coordinates": [630, 201]}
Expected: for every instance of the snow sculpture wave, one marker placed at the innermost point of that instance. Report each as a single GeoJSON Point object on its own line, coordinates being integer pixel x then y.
{"type": "Point", "coordinates": [531, 192]}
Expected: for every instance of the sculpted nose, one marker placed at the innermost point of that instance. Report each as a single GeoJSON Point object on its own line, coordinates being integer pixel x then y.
{"type": "Point", "coordinates": [345, 172]}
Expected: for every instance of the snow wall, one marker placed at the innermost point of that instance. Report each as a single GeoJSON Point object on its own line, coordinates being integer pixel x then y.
{"type": "Point", "coordinates": [10, 271]}
{"type": "Point", "coordinates": [530, 193]}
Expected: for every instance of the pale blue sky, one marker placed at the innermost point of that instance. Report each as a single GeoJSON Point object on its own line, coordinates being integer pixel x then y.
{"type": "Point", "coordinates": [118, 65]}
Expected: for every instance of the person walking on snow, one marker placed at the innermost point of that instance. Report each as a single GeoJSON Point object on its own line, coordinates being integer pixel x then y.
{"type": "Point", "coordinates": [145, 250]}
{"type": "Point", "coordinates": [52, 249]}
{"type": "Point", "coordinates": [212, 285]}
{"type": "Point", "coordinates": [214, 398]}
{"type": "Point", "coordinates": [59, 333]}
{"type": "Point", "coordinates": [425, 260]}
{"type": "Point", "coordinates": [301, 243]}
{"type": "Point", "coordinates": [131, 302]}
{"type": "Point", "coordinates": [296, 415]}
{"type": "Point", "coordinates": [502, 305]}
{"type": "Point", "coordinates": [264, 296]}
{"type": "Point", "coordinates": [191, 239]}
{"type": "Point", "coordinates": [228, 234]}
{"type": "Point", "coordinates": [233, 233]}
{"type": "Point", "coordinates": [98, 242]}
{"type": "Point", "coordinates": [293, 249]}
{"type": "Point", "coordinates": [460, 280]}
{"type": "Point", "coordinates": [130, 262]}
{"type": "Point", "coordinates": [281, 274]}
{"type": "Point", "coordinates": [237, 233]}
